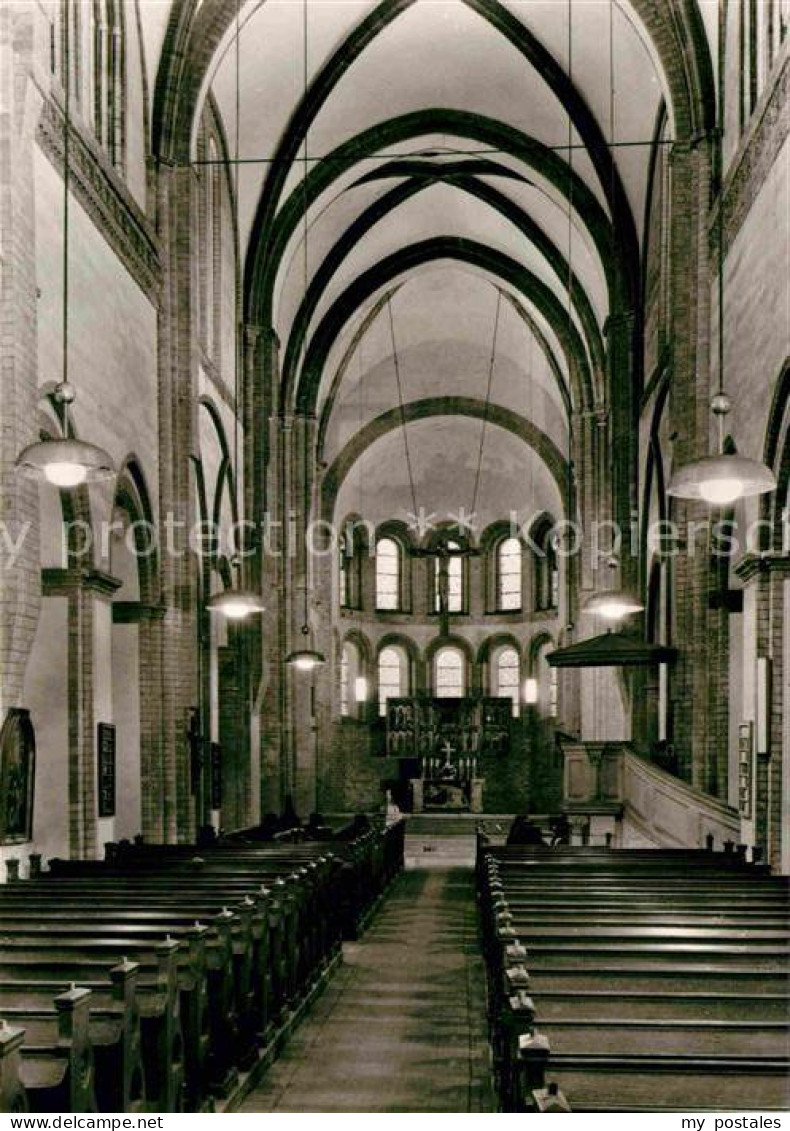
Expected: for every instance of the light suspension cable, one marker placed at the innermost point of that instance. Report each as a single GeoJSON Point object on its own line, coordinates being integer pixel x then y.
{"type": "Point", "coordinates": [305, 658]}
{"type": "Point", "coordinates": [722, 479]}
{"type": "Point", "coordinates": [402, 410]}
{"type": "Point", "coordinates": [69, 462]}
{"type": "Point", "coordinates": [237, 602]}
{"type": "Point", "coordinates": [612, 604]}
{"type": "Point", "coordinates": [486, 407]}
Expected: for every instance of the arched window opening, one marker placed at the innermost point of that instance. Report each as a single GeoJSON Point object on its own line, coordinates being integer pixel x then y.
{"type": "Point", "coordinates": [102, 94]}
{"type": "Point", "coordinates": [349, 671]}
{"type": "Point", "coordinates": [351, 551]}
{"type": "Point", "coordinates": [393, 676]}
{"type": "Point", "coordinates": [762, 27]}
{"type": "Point", "coordinates": [388, 575]}
{"type": "Point", "coordinates": [776, 29]}
{"type": "Point", "coordinates": [115, 94]}
{"type": "Point", "coordinates": [545, 680]}
{"type": "Point", "coordinates": [209, 264]}
{"type": "Point", "coordinates": [345, 697]}
{"type": "Point", "coordinates": [554, 693]}
{"type": "Point", "coordinates": [76, 48]}
{"type": "Point", "coordinates": [449, 681]}
{"type": "Point", "coordinates": [448, 575]}
{"type": "Point", "coordinates": [546, 569]}
{"type": "Point", "coordinates": [508, 575]}
{"type": "Point", "coordinates": [100, 76]}
{"type": "Point", "coordinates": [506, 676]}
{"type": "Point", "coordinates": [345, 567]}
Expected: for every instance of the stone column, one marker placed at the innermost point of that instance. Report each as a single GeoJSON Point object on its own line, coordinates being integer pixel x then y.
{"type": "Point", "coordinates": [695, 688]}
{"type": "Point", "coordinates": [304, 573]}
{"type": "Point", "coordinates": [268, 511]}
{"type": "Point", "coordinates": [84, 588]}
{"type": "Point", "coordinates": [289, 598]}
{"type": "Point", "coordinates": [621, 447]}
{"type": "Point", "coordinates": [767, 588]}
{"type": "Point", "coordinates": [177, 414]}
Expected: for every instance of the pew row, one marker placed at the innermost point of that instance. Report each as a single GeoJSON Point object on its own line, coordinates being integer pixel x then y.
{"type": "Point", "coordinates": [638, 981]}
{"type": "Point", "coordinates": [189, 966]}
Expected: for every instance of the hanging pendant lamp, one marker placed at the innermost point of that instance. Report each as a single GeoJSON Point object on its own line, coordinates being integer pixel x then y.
{"type": "Point", "coordinates": [68, 462]}
{"type": "Point", "coordinates": [722, 479]}
{"type": "Point", "coordinates": [613, 604]}
{"type": "Point", "coordinates": [236, 603]}
{"type": "Point", "coordinates": [305, 659]}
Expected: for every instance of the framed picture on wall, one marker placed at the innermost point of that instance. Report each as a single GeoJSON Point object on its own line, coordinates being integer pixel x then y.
{"type": "Point", "coordinates": [105, 745]}
{"type": "Point", "coordinates": [17, 776]}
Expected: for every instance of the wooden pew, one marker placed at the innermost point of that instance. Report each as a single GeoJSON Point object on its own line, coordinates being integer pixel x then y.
{"type": "Point", "coordinates": [611, 1084]}
{"type": "Point", "coordinates": [205, 971]}
{"type": "Point", "coordinates": [656, 1005]}
{"type": "Point", "coordinates": [113, 1029]}
{"type": "Point", "coordinates": [248, 930]}
{"type": "Point", "coordinates": [13, 1098]}
{"type": "Point", "coordinates": [272, 913]}
{"type": "Point", "coordinates": [51, 960]}
{"type": "Point", "coordinates": [618, 960]}
{"type": "Point", "coordinates": [57, 1067]}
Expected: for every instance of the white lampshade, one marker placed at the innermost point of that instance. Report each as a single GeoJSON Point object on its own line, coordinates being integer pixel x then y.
{"type": "Point", "coordinates": [305, 659]}
{"type": "Point", "coordinates": [722, 480]}
{"type": "Point", "coordinates": [65, 463]}
{"type": "Point", "coordinates": [613, 605]}
{"type": "Point", "coordinates": [235, 604]}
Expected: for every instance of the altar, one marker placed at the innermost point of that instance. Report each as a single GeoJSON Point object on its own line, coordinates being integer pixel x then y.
{"type": "Point", "coordinates": [443, 739]}
{"type": "Point", "coordinates": [434, 795]}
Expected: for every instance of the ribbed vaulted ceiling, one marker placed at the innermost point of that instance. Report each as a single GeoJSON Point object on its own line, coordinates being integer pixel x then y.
{"type": "Point", "coordinates": [406, 165]}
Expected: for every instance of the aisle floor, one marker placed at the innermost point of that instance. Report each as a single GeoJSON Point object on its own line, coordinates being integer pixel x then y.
{"type": "Point", "coordinates": [401, 1026]}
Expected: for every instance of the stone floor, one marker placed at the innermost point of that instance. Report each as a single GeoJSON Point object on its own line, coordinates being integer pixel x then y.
{"type": "Point", "coordinates": [401, 1027]}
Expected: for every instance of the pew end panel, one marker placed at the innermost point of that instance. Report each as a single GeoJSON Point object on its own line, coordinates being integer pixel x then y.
{"type": "Point", "coordinates": [13, 1097]}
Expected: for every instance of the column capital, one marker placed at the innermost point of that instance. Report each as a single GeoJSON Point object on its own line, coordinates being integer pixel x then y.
{"type": "Point", "coordinates": [621, 319]}
{"type": "Point", "coordinates": [269, 336]}
{"type": "Point", "coordinates": [252, 332]}
{"type": "Point", "coordinates": [67, 582]}
{"type": "Point", "coordinates": [752, 566]}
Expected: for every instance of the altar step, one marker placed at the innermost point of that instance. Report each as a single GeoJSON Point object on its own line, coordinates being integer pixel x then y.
{"type": "Point", "coordinates": [453, 824]}
{"type": "Point", "coordinates": [447, 840]}
{"type": "Point", "coordinates": [439, 851]}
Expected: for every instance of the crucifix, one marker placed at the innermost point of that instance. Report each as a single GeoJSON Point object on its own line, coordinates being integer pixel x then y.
{"type": "Point", "coordinates": [443, 587]}
{"type": "Point", "coordinates": [443, 551]}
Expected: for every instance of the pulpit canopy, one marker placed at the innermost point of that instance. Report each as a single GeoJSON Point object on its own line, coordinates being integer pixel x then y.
{"type": "Point", "coordinates": [611, 650]}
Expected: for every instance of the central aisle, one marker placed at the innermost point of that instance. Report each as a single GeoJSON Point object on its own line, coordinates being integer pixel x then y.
{"type": "Point", "coordinates": [401, 1027]}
